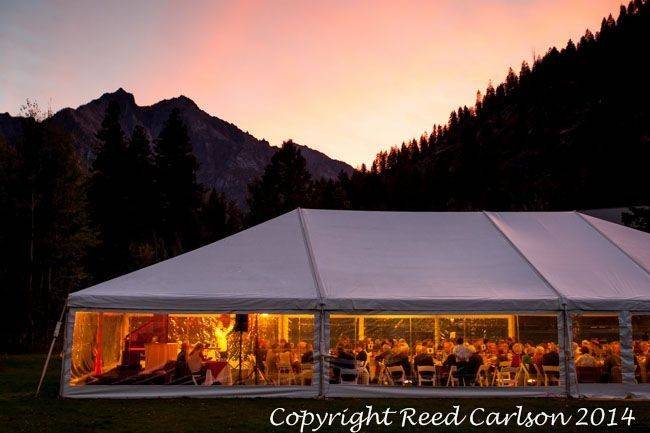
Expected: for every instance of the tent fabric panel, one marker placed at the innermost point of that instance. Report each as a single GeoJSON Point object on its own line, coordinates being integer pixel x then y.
{"type": "Point", "coordinates": [205, 303]}
{"type": "Point", "coordinates": [449, 304]}
{"type": "Point", "coordinates": [402, 259]}
{"type": "Point", "coordinates": [634, 242]}
{"type": "Point", "coordinates": [267, 263]}
{"type": "Point", "coordinates": [586, 268]}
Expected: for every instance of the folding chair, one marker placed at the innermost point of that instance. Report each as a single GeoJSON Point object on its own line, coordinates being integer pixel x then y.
{"type": "Point", "coordinates": [551, 374]}
{"type": "Point", "coordinates": [426, 375]}
{"type": "Point", "coordinates": [452, 379]}
{"type": "Point", "coordinates": [348, 376]}
{"type": "Point", "coordinates": [482, 376]}
{"type": "Point", "coordinates": [504, 374]}
{"type": "Point", "coordinates": [397, 374]}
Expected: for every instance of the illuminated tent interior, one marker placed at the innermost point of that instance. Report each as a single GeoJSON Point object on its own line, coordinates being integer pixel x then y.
{"type": "Point", "coordinates": [356, 303]}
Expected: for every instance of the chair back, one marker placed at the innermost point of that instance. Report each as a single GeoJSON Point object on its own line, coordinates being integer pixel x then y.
{"type": "Point", "coordinates": [503, 364]}
{"type": "Point", "coordinates": [396, 373]}
{"type": "Point", "coordinates": [617, 375]}
{"type": "Point", "coordinates": [551, 369]}
{"type": "Point", "coordinates": [588, 374]}
{"type": "Point", "coordinates": [348, 375]}
{"type": "Point", "coordinates": [481, 375]}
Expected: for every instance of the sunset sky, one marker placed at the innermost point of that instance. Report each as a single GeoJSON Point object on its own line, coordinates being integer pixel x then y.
{"type": "Point", "coordinates": [345, 77]}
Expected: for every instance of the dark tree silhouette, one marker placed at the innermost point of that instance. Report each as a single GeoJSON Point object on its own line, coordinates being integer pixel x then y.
{"type": "Point", "coordinates": [570, 132]}
{"type": "Point", "coordinates": [42, 200]}
{"type": "Point", "coordinates": [284, 185]}
{"type": "Point", "coordinates": [180, 194]}
{"type": "Point", "coordinates": [108, 193]}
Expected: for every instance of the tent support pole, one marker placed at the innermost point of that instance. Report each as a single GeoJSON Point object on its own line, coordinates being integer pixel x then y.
{"type": "Point", "coordinates": [321, 369]}
{"type": "Point", "coordinates": [566, 344]}
{"type": "Point", "coordinates": [57, 329]}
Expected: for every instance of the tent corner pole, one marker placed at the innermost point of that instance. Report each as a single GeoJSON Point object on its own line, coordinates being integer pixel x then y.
{"type": "Point", "coordinates": [567, 353]}
{"type": "Point", "coordinates": [57, 330]}
{"type": "Point", "coordinates": [321, 355]}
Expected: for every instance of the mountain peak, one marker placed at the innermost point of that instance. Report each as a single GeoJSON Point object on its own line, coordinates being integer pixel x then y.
{"type": "Point", "coordinates": [120, 95]}
{"type": "Point", "coordinates": [180, 101]}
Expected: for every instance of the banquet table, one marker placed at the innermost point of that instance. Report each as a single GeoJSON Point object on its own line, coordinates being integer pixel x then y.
{"type": "Point", "coordinates": [219, 371]}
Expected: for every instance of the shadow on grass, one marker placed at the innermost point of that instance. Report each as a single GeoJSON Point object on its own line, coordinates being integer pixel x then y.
{"type": "Point", "coordinates": [21, 412]}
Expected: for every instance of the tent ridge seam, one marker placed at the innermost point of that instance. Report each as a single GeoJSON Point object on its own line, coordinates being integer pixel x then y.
{"type": "Point", "coordinates": [601, 233]}
{"type": "Point", "coordinates": [523, 256]}
{"type": "Point", "coordinates": [311, 258]}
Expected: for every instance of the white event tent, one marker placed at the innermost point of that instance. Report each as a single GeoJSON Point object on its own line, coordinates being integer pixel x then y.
{"type": "Point", "coordinates": [328, 262]}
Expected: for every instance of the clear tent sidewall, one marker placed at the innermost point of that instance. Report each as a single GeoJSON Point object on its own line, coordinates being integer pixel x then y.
{"type": "Point", "coordinates": [147, 391]}
{"type": "Point", "coordinates": [628, 388]}
{"type": "Point", "coordinates": [321, 386]}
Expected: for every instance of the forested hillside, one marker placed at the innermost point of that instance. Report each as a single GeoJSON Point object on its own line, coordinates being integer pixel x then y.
{"type": "Point", "coordinates": [570, 131]}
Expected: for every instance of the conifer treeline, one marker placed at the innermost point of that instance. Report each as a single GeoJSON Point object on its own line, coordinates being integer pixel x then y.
{"type": "Point", "coordinates": [66, 230]}
{"type": "Point", "coordinates": [570, 131]}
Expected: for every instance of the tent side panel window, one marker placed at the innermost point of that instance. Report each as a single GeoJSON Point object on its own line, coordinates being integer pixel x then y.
{"type": "Point", "coordinates": [216, 349]}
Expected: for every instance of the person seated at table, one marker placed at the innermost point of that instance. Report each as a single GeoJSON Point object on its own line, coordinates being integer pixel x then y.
{"type": "Point", "coordinates": [585, 359]}
{"type": "Point", "coordinates": [527, 358]}
{"type": "Point", "coordinates": [422, 357]}
{"type": "Point", "coordinates": [182, 368]}
{"type": "Point", "coordinates": [308, 356]}
{"type": "Point", "coordinates": [471, 366]}
{"type": "Point", "coordinates": [343, 359]}
{"type": "Point", "coordinates": [196, 358]}
{"type": "Point", "coordinates": [517, 353]}
{"type": "Point", "coordinates": [502, 355]}
{"type": "Point", "coordinates": [381, 357]}
{"type": "Point", "coordinates": [400, 357]}
{"type": "Point", "coordinates": [552, 357]}
{"type": "Point", "coordinates": [612, 361]}
{"type": "Point", "coordinates": [360, 353]}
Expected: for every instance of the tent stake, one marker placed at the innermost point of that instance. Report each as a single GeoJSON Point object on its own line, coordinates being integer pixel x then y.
{"type": "Point", "coordinates": [57, 328]}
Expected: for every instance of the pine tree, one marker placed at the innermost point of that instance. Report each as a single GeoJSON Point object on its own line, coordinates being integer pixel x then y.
{"type": "Point", "coordinates": [219, 217]}
{"type": "Point", "coordinates": [283, 187]}
{"type": "Point", "coordinates": [180, 194]}
{"type": "Point", "coordinates": [108, 197]}
{"type": "Point", "coordinates": [42, 200]}
{"type": "Point", "coordinates": [141, 201]}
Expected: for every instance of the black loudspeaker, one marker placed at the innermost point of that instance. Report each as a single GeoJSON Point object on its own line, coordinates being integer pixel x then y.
{"type": "Point", "coordinates": [241, 323]}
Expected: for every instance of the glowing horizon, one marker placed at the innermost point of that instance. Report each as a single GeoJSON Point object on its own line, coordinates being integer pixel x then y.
{"type": "Point", "coordinates": [345, 78]}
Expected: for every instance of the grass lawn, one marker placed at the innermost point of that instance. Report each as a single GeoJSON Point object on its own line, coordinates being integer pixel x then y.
{"type": "Point", "coordinates": [21, 412]}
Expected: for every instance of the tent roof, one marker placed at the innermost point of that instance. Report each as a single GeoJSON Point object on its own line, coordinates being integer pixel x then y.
{"type": "Point", "coordinates": [265, 266]}
{"type": "Point", "coordinates": [392, 261]}
{"type": "Point", "coordinates": [589, 270]}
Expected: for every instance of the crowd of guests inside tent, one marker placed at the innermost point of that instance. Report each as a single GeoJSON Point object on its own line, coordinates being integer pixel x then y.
{"type": "Point", "coordinates": [454, 362]}
{"type": "Point", "coordinates": [597, 362]}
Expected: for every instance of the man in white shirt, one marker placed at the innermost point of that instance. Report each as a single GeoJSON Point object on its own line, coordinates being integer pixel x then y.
{"type": "Point", "coordinates": [221, 337]}
{"type": "Point", "coordinates": [461, 351]}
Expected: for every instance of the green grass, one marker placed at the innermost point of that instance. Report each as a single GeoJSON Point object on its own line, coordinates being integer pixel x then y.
{"type": "Point", "coordinates": [21, 412]}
